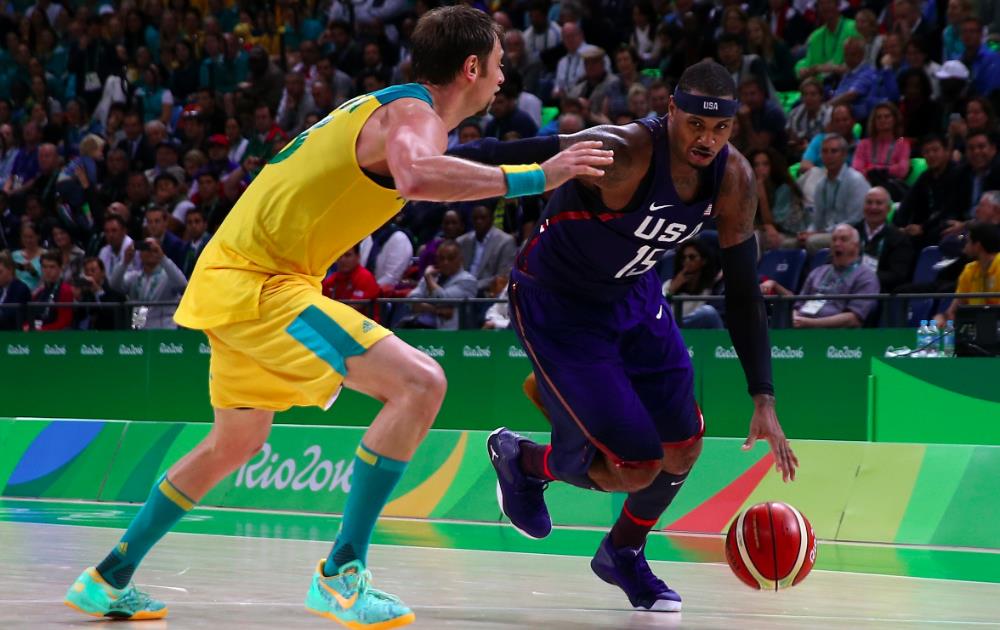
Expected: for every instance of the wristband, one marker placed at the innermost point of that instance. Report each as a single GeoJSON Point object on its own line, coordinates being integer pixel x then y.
{"type": "Point", "coordinates": [523, 179]}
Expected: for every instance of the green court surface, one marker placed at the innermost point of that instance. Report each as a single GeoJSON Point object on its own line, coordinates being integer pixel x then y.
{"type": "Point", "coordinates": [977, 565]}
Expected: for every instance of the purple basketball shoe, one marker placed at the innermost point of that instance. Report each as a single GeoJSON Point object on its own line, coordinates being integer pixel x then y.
{"type": "Point", "coordinates": [520, 497]}
{"type": "Point", "coordinates": [627, 569]}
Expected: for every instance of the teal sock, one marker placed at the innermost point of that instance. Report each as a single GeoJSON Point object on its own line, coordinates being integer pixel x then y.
{"type": "Point", "coordinates": [164, 507]}
{"type": "Point", "coordinates": [372, 482]}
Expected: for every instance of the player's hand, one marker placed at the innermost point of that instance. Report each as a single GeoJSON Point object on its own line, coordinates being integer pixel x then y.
{"type": "Point", "coordinates": [765, 426]}
{"type": "Point", "coordinates": [583, 158]}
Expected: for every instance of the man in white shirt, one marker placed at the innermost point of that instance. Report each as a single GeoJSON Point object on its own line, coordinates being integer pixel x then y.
{"type": "Point", "coordinates": [113, 254]}
{"type": "Point", "coordinates": [543, 34]}
{"type": "Point", "coordinates": [569, 70]}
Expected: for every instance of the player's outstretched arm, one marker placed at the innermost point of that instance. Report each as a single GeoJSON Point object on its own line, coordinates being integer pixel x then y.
{"type": "Point", "coordinates": [746, 316]}
{"type": "Point", "coordinates": [415, 143]}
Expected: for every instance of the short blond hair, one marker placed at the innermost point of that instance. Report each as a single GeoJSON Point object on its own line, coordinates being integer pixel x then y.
{"type": "Point", "coordinates": [92, 145]}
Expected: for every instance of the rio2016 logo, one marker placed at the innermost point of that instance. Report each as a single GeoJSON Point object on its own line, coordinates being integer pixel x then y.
{"type": "Point", "coordinates": [319, 474]}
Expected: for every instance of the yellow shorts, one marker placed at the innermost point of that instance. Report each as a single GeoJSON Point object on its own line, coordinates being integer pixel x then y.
{"type": "Point", "coordinates": [294, 354]}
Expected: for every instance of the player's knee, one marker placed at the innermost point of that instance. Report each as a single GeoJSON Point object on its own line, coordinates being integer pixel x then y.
{"type": "Point", "coordinates": [680, 460]}
{"type": "Point", "coordinates": [238, 447]}
{"type": "Point", "coordinates": [425, 381]}
{"type": "Point", "coordinates": [636, 479]}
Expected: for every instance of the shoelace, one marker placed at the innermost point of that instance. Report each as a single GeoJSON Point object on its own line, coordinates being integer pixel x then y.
{"type": "Point", "coordinates": [134, 598]}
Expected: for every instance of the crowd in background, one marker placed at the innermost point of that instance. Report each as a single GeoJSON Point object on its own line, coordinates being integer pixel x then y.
{"type": "Point", "coordinates": [129, 129]}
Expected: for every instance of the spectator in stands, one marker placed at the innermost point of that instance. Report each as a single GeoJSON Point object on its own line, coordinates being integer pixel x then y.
{"type": "Point", "coordinates": [218, 155]}
{"type": "Point", "coordinates": [911, 25]}
{"type": "Point", "coordinates": [507, 117]}
{"type": "Point", "coordinates": [70, 254]}
{"type": "Point", "coordinates": [487, 251]}
{"type": "Point", "coordinates": [929, 204]}
{"type": "Point", "coordinates": [339, 81]}
{"type": "Point", "coordinates": [777, 58]}
{"type": "Point", "coordinates": [844, 275]}
{"type": "Point", "coordinates": [24, 170]}
{"type": "Point", "coordinates": [809, 118]}
{"type": "Point", "coordinates": [520, 60]}
{"type": "Point", "coordinates": [12, 292]}
{"type": "Point", "coordinates": [196, 237]}
{"type": "Point", "coordinates": [982, 275]}
{"type": "Point", "coordinates": [867, 26]}
{"type": "Point", "coordinates": [762, 119]}
{"type": "Point", "coordinates": [351, 281]}
{"type": "Point", "coordinates": [825, 47]}
{"type": "Point", "coordinates": [237, 143]}
{"type": "Point", "coordinates": [183, 77]}
{"type": "Point", "coordinates": [52, 290]}
{"type": "Point", "coordinates": [857, 87]}
{"type": "Point", "coordinates": [388, 255]}
{"type": "Point", "coordinates": [740, 66]}
{"type": "Point", "coordinates": [28, 259]}
{"type": "Point", "coordinates": [266, 134]}
{"type": "Point", "coordinates": [296, 104]}
{"type": "Point", "coordinates": [93, 287]}
{"type": "Point", "coordinates": [884, 156]}
{"type": "Point", "coordinates": [194, 127]}
{"type": "Point", "coordinates": [154, 99]}
{"type": "Point", "coordinates": [659, 98]}
{"type": "Point", "coordinates": [951, 42]}
{"type": "Point", "coordinates": [780, 205]}
{"type": "Point", "coordinates": [167, 195]}
{"type": "Point", "coordinates": [696, 272]}
{"type": "Point", "coordinates": [981, 172]}
{"type": "Point", "coordinates": [542, 34]}
{"type": "Point", "coordinates": [445, 279]}
{"type": "Point", "coordinates": [117, 240]}
{"type": "Point", "coordinates": [452, 227]}
{"type": "Point", "coordinates": [44, 185]}
{"type": "Point", "coordinates": [156, 228]}
{"type": "Point", "coordinates": [626, 76]}
{"type": "Point", "coordinates": [884, 248]}
{"type": "Point", "coordinates": [212, 204]}
{"type": "Point", "coordinates": [157, 280]}
{"type": "Point", "coordinates": [839, 197]}
{"type": "Point", "coordinates": [922, 115]}
{"type": "Point", "coordinates": [787, 24]}
{"type": "Point", "coordinates": [569, 70]}
{"type": "Point", "coordinates": [498, 314]}
{"type": "Point", "coordinates": [594, 89]}
{"type": "Point", "coordinates": [842, 124]}
{"type": "Point", "coordinates": [140, 154]}
{"type": "Point", "coordinates": [983, 63]}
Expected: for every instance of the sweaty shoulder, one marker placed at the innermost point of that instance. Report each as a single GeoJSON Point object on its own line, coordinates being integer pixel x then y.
{"type": "Point", "coordinates": [632, 145]}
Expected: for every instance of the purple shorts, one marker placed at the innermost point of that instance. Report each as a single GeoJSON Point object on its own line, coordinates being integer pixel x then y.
{"type": "Point", "coordinates": [614, 377]}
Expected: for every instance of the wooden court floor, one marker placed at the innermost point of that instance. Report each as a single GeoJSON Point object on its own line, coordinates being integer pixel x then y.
{"type": "Point", "coordinates": [220, 582]}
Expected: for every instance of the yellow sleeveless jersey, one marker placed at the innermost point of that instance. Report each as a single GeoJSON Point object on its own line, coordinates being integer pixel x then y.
{"type": "Point", "coordinates": [310, 204]}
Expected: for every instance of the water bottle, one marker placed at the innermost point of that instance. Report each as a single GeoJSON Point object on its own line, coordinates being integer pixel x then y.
{"type": "Point", "coordinates": [948, 340]}
{"type": "Point", "coordinates": [923, 339]}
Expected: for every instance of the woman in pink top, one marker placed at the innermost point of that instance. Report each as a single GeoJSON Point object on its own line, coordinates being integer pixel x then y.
{"type": "Point", "coordinates": [884, 156]}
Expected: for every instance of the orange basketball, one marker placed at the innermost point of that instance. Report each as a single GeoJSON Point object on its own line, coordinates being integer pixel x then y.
{"type": "Point", "coordinates": [771, 546]}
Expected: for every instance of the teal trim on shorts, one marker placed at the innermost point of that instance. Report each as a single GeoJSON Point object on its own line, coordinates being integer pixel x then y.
{"type": "Point", "coordinates": [405, 90]}
{"type": "Point", "coordinates": [316, 331]}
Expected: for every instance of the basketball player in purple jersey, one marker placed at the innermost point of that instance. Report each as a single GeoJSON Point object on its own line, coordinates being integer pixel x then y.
{"type": "Point", "coordinates": [612, 371]}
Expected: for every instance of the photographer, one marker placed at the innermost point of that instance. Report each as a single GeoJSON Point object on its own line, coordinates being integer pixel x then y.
{"type": "Point", "coordinates": [158, 280]}
{"type": "Point", "coordinates": [93, 287]}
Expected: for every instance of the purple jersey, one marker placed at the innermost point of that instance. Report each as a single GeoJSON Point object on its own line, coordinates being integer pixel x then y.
{"type": "Point", "coordinates": [582, 247]}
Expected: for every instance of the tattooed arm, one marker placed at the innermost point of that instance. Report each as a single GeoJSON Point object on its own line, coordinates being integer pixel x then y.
{"type": "Point", "coordinates": [746, 315]}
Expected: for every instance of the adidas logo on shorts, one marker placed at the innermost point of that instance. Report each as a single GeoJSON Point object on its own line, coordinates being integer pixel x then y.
{"type": "Point", "coordinates": [367, 326]}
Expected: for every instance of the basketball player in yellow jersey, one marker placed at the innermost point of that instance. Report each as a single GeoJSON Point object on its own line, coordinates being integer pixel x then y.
{"type": "Point", "coordinates": [277, 342]}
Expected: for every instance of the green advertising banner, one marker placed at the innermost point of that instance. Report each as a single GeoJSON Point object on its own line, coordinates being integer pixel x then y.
{"type": "Point", "coordinates": [949, 401]}
{"type": "Point", "coordinates": [851, 491]}
{"type": "Point", "coordinates": [821, 379]}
